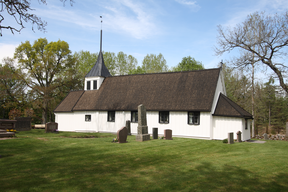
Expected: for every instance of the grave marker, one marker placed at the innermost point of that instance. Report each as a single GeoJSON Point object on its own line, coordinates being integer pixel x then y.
{"type": "Point", "coordinates": [142, 129]}
{"type": "Point", "coordinates": [122, 135]}
{"type": "Point", "coordinates": [168, 134]}
{"type": "Point", "coordinates": [230, 138]}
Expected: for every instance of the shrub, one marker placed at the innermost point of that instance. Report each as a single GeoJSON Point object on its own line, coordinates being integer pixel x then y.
{"type": "Point", "coordinates": [225, 140]}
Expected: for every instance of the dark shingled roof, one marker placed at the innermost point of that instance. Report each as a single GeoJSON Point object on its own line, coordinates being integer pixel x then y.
{"type": "Point", "coordinates": [69, 102]}
{"type": "Point", "coordinates": [226, 107]}
{"type": "Point", "coordinates": [176, 91]}
{"type": "Point", "coordinates": [99, 69]}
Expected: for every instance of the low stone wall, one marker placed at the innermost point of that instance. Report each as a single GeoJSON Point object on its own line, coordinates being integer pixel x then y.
{"type": "Point", "coordinates": [23, 123]}
{"type": "Point", "coordinates": [272, 137]}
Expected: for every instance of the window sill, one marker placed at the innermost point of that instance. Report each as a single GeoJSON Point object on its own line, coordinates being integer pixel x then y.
{"type": "Point", "coordinates": [192, 124]}
{"type": "Point", "coordinates": [111, 121]}
{"type": "Point", "coordinates": [163, 123]}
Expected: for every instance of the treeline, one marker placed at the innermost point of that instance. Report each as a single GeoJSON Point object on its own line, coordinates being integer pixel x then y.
{"type": "Point", "coordinates": [40, 75]}
{"type": "Point", "coordinates": [270, 101]}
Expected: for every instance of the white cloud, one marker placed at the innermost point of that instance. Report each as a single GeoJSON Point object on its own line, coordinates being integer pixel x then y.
{"type": "Point", "coordinates": [7, 50]}
{"type": "Point", "coordinates": [191, 4]}
{"type": "Point", "coordinates": [137, 21]}
{"type": "Point", "coordinates": [121, 16]}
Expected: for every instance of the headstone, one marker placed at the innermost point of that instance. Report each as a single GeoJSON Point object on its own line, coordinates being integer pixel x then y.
{"type": "Point", "coordinates": [7, 124]}
{"type": "Point", "coordinates": [168, 134]}
{"type": "Point", "coordinates": [230, 138]}
{"type": "Point", "coordinates": [155, 133]}
{"type": "Point", "coordinates": [280, 137]}
{"type": "Point", "coordinates": [265, 136]}
{"type": "Point", "coordinates": [239, 136]}
{"type": "Point", "coordinates": [128, 126]}
{"type": "Point", "coordinates": [51, 127]}
{"type": "Point", "coordinates": [142, 129]}
{"type": "Point", "coordinates": [23, 123]}
{"type": "Point", "coordinates": [122, 135]}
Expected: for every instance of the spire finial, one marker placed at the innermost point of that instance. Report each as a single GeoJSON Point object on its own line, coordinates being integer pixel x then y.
{"type": "Point", "coordinates": [101, 36]}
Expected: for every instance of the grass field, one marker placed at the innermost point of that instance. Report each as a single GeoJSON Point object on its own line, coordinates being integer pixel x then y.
{"type": "Point", "coordinates": [36, 161]}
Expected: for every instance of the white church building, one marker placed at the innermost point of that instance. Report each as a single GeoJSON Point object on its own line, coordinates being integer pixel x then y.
{"type": "Point", "coordinates": [191, 103]}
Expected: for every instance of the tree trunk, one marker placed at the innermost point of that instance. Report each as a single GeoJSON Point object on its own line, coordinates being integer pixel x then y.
{"type": "Point", "coordinates": [253, 125]}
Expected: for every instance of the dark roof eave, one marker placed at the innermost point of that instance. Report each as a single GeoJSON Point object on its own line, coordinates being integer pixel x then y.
{"type": "Point", "coordinates": [240, 116]}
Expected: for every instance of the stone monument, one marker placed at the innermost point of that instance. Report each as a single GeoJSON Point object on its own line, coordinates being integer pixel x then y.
{"type": "Point", "coordinates": [128, 126]}
{"type": "Point", "coordinates": [142, 129]}
{"type": "Point", "coordinates": [239, 136]}
{"type": "Point", "coordinates": [122, 135]}
{"type": "Point", "coordinates": [230, 138]}
{"type": "Point", "coordinates": [51, 127]}
{"type": "Point", "coordinates": [168, 134]}
{"type": "Point", "coordinates": [265, 136]}
{"type": "Point", "coordinates": [155, 133]}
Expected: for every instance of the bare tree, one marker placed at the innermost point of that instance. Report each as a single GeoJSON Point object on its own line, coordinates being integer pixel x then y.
{"type": "Point", "coordinates": [267, 44]}
{"type": "Point", "coordinates": [21, 10]}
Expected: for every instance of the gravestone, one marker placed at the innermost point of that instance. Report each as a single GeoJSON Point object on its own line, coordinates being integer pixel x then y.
{"type": "Point", "coordinates": [239, 136]}
{"type": "Point", "coordinates": [155, 133]}
{"type": "Point", "coordinates": [23, 123]}
{"type": "Point", "coordinates": [280, 137]}
{"type": "Point", "coordinates": [142, 129]}
{"type": "Point", "coordinates": [265, 136]}
{"type": "Point", "coordinates": [168, 134]}
{"type": "Point", "coordinates": [122, 135]}
{"type": "Point", "coordinates": [7, 124]}
{"type": "Point", "coordinates": [128, 126]}
{"type": "Point", "coordinates": [230, 138]}
{"type": "Point", "coordinates": [51, 127]}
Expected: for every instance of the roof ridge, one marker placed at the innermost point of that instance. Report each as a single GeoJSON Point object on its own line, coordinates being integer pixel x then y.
{"type": "Point", "coordinates": [167, 72]}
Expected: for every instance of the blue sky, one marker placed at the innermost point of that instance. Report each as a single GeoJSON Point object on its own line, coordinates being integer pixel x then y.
{"type": "Point", "coordinates": [175, 28]}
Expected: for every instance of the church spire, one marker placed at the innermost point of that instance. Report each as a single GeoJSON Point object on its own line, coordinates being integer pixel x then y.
{"type": "Point", "coordinates": [99, 69]}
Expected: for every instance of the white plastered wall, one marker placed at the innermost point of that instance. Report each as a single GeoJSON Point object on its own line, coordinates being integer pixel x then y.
{"type": "Point", "coordinates": [75, 121]}
{"type": "Point", "coordinates": [91, 79]}
{"type": "Point", "coordinates": [224, 125]}
{"type": "Point", "coordinates": [178, 123]}
{"type": "Point", "coordinates": [220, 88]}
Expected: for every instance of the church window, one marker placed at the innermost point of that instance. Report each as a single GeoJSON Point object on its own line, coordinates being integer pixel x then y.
{"type": "Point", "coordinates": [194, 118]}
{"type": "Point", "coordinates": [88, 118]}
{"type": "Point", "coordinates": [163, 116]}
{"type": "Point", "coordinates": [88, 85]}
{"type": "Point", "coordinates": [95, 84]}
{"type": "Point", "coordinates": [134, 116]}
{"type": "Point", "coordinates": [111, 116]}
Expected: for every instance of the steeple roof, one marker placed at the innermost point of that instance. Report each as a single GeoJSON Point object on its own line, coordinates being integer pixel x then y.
{"type": "Point", "coordinates": [99, 69]}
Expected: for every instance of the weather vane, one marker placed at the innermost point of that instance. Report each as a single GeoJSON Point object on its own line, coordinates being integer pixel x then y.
{"type": "Point", "coordinates": [101, 22]}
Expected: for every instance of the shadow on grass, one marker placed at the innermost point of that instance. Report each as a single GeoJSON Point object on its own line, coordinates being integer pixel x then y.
{"type": "Point", "coordinates": [149, 172]}
{"type": "Point", "coordinates": [82, 165]}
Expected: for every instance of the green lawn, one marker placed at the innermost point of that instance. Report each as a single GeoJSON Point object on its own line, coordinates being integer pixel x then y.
{"type": "Point", "coordinates": [36, 161]}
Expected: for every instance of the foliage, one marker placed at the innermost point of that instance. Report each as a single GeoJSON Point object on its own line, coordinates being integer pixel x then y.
{"type": "Point", "coordinates": [12, 88]}
{"type": "Point", "coordinates": [270, 106]}
{"type": "Point", "coordinates": [119, 64]}
{"type": "Point", "coordinates": [15, 113]}
{"type": "Point", "coordinates": [21, 10]}
{"type": "Point", "coordinates": [188, 64]}
{"type": "Point", "coordinates": [225, 141]}
{"type": "Point", "coordinates": [154, 63]}
{"type": "Point", "coordinates": [50, 73]}
{"type": "Point", "coordinates": [261, 35]}
{"type": "Point", "coordinates": [58, 162]}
